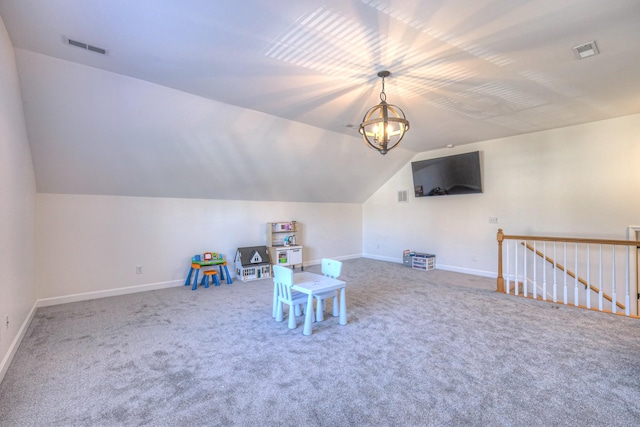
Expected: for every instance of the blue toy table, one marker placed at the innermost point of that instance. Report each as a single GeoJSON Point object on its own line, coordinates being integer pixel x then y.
{"type": "Point", "coordinates": [197, 265]}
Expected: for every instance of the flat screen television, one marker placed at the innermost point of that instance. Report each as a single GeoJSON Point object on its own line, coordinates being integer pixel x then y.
{"type": "Point", "coordinates": [457, 174]}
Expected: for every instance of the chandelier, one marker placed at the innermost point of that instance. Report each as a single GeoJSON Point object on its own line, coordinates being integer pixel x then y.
{"type": "Point", "coordinates": [384, 125]}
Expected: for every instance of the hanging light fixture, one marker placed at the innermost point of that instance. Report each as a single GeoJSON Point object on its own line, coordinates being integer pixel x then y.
{"type": "Point", "coordinates": [384, 125]}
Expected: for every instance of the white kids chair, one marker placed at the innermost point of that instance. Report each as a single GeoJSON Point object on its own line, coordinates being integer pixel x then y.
{"type": "Point", "coordinates": [330, 268]}
{"type": "Point", "coordinates": [283, 280]}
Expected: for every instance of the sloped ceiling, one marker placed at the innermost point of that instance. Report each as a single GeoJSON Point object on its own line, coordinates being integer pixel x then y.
{"type": "Point", "coordinates": [258, 100]}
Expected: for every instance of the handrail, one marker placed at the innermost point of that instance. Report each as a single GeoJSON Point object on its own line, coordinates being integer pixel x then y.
{"type": "Point", "coordinates": [570, 240]}
{"type": "Point", "coordinates": [572, 274]}
{"type": "Point", "coordinates": [501, 237]}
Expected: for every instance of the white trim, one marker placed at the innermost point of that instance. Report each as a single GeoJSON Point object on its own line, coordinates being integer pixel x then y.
{"type": "Point", "coordinates": [46, 302]}
{"type": "Point", "coordinates": [632, 234]}
{"type": "Point", "coordinates": [13, 348]}
{"type": "Point", "coordinates": [635, 228]}
{"type": "Point", "coordinates": [382, 258]}
{"type": "Point", "coordinates": [490, 274]}
{"type": "Point", "coordinates": [340, 258]}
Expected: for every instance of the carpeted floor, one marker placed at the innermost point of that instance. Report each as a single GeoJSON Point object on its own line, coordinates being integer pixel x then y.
{"type": "Point", "coordinates": [421, 348]}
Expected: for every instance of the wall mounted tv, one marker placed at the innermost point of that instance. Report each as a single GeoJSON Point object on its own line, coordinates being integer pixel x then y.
{"type": "Point", "coordinates": [457, 174]}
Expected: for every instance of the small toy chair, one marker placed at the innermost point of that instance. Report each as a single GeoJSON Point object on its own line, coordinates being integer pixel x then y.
{"type": "Point", "coordinates": [283, 280]}
{"type": "Point", "coordinates": [222, 266]}
{"type": "Point", "coordinates": [330, 268]}
{"type": "Point", "coordinates": [205, 278]}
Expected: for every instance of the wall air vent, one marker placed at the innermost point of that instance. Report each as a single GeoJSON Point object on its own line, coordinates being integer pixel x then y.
{"type": "Point", "coordinates": [86, 46]}
{"type": "Point", "coordinates": [586, 50]}
{"type": "Point", "coordinates": [402, 196]}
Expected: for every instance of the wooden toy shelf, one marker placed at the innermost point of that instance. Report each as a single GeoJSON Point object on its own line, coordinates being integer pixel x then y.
{"type": "Point", "coordinates": [284, 243]}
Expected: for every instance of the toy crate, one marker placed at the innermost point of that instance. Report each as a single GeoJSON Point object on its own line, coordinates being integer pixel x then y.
{"type": "Point", "coordinates": [407, 255]}
{"type": "Point", "coordinates": [421, 261]}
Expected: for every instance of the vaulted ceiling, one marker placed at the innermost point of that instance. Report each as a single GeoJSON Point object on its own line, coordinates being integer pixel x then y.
{"type": "Point", "coordinates": [260, 100]}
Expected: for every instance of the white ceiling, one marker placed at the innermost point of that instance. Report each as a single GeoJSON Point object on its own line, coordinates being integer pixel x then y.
{"type": "Point", "coordinates": [147, 120]}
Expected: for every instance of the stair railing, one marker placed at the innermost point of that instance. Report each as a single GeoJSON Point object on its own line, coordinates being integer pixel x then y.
{"type": "Point", "coordinates": [538, 267]}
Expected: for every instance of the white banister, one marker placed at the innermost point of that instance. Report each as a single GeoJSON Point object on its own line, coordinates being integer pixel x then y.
{"type": "Point", "coordinates": [544, 273]}
{"type": "Point", "coordinates": [587, 278]}
{"type": "Point", "coordinates": [588, 275]}
{"type": "Point", "coordinates": [508, 270]}
{"type": "Point", "coordinates": [555, 274]}
{"type": "Point", "coordinates": [575, 282]}
{"type": "Point", "coordinates": [613, 279]}
{"type": "Point", "coordinates": [524, 269]}
{"type": "Point", "coordinates": [601, 283]}
{"type": "Point", "coordinates": [564, 262]}
{"type": "Point", "coordinates": [627, 299]}
{"type": "Point", "coordinates": [516, 264]}
{"type": "Point", "coordinates": [535, 271]}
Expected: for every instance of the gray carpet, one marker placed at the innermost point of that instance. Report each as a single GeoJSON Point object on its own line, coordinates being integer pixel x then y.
{"type": "Point", "coordinates": [420, 348]}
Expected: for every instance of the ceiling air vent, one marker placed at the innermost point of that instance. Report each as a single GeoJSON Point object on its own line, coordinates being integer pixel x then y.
{"type": "Point", "coordinates": [86, 46]}
{"type": "Point", "coordinates": [586, 50]}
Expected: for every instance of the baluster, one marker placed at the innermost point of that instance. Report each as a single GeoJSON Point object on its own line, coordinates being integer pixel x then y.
{"type": "Point", "coordinates": [564, 262]}
{"type": "Point", "coordinates": [544, 271]}
{"type": "Point", "coordinates": [507, 290]}
{"type": "Point", "coordinates": [601, 284]}
{"type": "Point", "coordinates": [517, 290]}
{"type": "Point", "coordinates": [613, 279]}
{"type": "Point", "coordinates": [588, 287]}
{"type": "Point", "coordinates": [524, 275]}
{"type": "Point", "coordinates": [627, 299]}
{"type": "Point", "coordinates": [535, 272]}
{"type": "Point", "coordinates": [555, 274]}
{"type": "Point", "coordinates": [575, 284]}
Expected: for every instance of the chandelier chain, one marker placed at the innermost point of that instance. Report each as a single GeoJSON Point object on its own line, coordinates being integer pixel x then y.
{"type": "Point", "coordinates": [383, 96]}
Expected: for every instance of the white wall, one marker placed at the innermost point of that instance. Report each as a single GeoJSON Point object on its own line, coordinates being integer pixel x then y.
{"type": "Point", "coordinates": [580, 181]}
{"type": "Point", "coordinates": [17, 209]}
{"type": "Point", "coordinates": [93, 243]}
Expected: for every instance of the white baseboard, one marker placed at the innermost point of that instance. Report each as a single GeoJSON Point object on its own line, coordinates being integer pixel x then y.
{"type": "Point", "coordinates": [472, 271]}
{"type": "Point", "coordinates": [338, 258]}
{"type": "Point", "coordinates": [45, 302]}
{"type": "Point", "coordinates": [453, 268]}
{"type": "Point", "coordinates": [8, 357]}
{"type": "Point", "coordinates": [383, 258]}
{"type": "Point", "coordinates": [342, 258]}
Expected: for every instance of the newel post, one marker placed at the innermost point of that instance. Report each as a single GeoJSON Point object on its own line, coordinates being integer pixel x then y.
{"type": "Point", "coordinates": [500, 282]}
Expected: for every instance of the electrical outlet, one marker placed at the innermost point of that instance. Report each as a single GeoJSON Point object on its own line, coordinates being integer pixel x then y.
{"type": "Point", "coordinates": [474, 257]}
{"type": "Point", "coordinates": [138, 269]}
{"type": "Point", "coordinates": [493, 220]}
